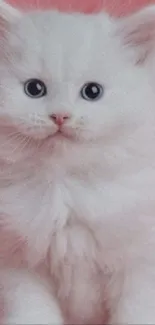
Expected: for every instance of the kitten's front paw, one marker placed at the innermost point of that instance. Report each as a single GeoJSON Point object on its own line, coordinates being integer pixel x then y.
{"type": "Point", "coordinates": [29, 302]}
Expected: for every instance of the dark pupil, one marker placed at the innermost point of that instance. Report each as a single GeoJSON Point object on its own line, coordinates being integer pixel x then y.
{"type": "Point", "coordinates": [92, 91]}
{"type": "Point", "coordinates": [35, 88]}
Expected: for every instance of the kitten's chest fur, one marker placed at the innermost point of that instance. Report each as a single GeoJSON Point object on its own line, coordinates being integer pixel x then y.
{"type": "Point", "coordinates": [58, 213]}
{"type": "Point", "coordinates": [75, 220]}
{"type": "Point", "coordinates": [79, 275]}
{"type": "Point", "coordinates": [76, 252]}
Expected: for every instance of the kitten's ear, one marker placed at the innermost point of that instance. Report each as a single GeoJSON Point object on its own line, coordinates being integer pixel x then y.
{"type": "Point", "coordinates": [8, 15]}
{"type": "Point", "coordinates": [138, 32]}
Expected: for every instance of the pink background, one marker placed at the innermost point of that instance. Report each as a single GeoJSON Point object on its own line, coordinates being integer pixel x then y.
{"type": "Point", "coordinates": [118, 7]}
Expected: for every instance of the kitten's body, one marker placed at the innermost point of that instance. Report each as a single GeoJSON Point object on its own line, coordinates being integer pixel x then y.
{"type": "Point", "coordinates": [83, 200]}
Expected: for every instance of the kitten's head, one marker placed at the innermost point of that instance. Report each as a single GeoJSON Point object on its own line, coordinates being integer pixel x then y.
{"type": "Point", "coordinates": [73, 75]}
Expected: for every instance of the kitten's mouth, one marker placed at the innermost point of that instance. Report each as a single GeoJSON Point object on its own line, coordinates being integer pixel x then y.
{"type": "Point", "coordinates": [61, 135]}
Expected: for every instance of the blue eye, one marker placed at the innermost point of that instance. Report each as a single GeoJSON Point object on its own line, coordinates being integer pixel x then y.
{"type": "Point", "coordinates": [35, 88]}
{"type": "Point", "coordinates": [92, 91]}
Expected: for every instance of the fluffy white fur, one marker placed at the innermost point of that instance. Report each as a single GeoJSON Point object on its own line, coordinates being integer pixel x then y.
{"type": "Point", "coordinates": [28, 299]}
{"type": "Point", "coordinates": [83, 200]}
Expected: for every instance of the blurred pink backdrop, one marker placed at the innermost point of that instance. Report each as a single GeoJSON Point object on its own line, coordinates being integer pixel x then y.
{"type": "Point", "coordinates": [117, 7]}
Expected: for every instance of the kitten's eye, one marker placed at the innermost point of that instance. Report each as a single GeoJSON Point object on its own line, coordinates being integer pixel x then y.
{"type": "Point", "coordinates": [35, 88]}
{"type": "Point", "coordinates": [92, 91]}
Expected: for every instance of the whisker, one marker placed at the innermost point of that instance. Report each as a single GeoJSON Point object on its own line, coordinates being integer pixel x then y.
{"type": "Point", "coordinates": [13, 137]}
{"type": "Point", "coordinates": [15, 133]}
{"type": "Point", "coordinates": [19, 146]}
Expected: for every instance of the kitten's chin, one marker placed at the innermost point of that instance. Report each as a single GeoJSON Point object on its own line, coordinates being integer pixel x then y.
{"type": "Point", "coordinates": [59, 138]}
{"type": "Point", "coordinates": [62, 135]}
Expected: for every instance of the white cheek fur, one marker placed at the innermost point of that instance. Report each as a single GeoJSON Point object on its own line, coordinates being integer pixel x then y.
{"type": "Point", "coordinates": [36, 126]}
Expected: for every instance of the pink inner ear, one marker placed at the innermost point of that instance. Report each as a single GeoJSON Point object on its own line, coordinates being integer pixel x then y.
{"type": "Point", "coordinates": [143, 34]}
{"type": "Point", "coordinates": [139, 35]}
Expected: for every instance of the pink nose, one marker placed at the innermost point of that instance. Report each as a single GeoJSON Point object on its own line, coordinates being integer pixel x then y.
{"type": "Point", "coordinates": [59, 118]}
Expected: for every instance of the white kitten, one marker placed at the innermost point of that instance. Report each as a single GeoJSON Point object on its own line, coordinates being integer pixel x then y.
{"type": "Point", "coordinates": [77, 135]}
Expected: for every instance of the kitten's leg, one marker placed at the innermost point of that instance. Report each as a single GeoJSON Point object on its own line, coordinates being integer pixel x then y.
{"type": "Point", "coordinates": [28, 301]}
{"type": "Point", "coordinates": [137, 303]}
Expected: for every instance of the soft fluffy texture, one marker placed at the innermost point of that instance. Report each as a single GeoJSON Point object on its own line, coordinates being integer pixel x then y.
{"type": "Point", "coordinates": [28, 299]}
{"type": "Point", "coordinates": [82, 199]}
